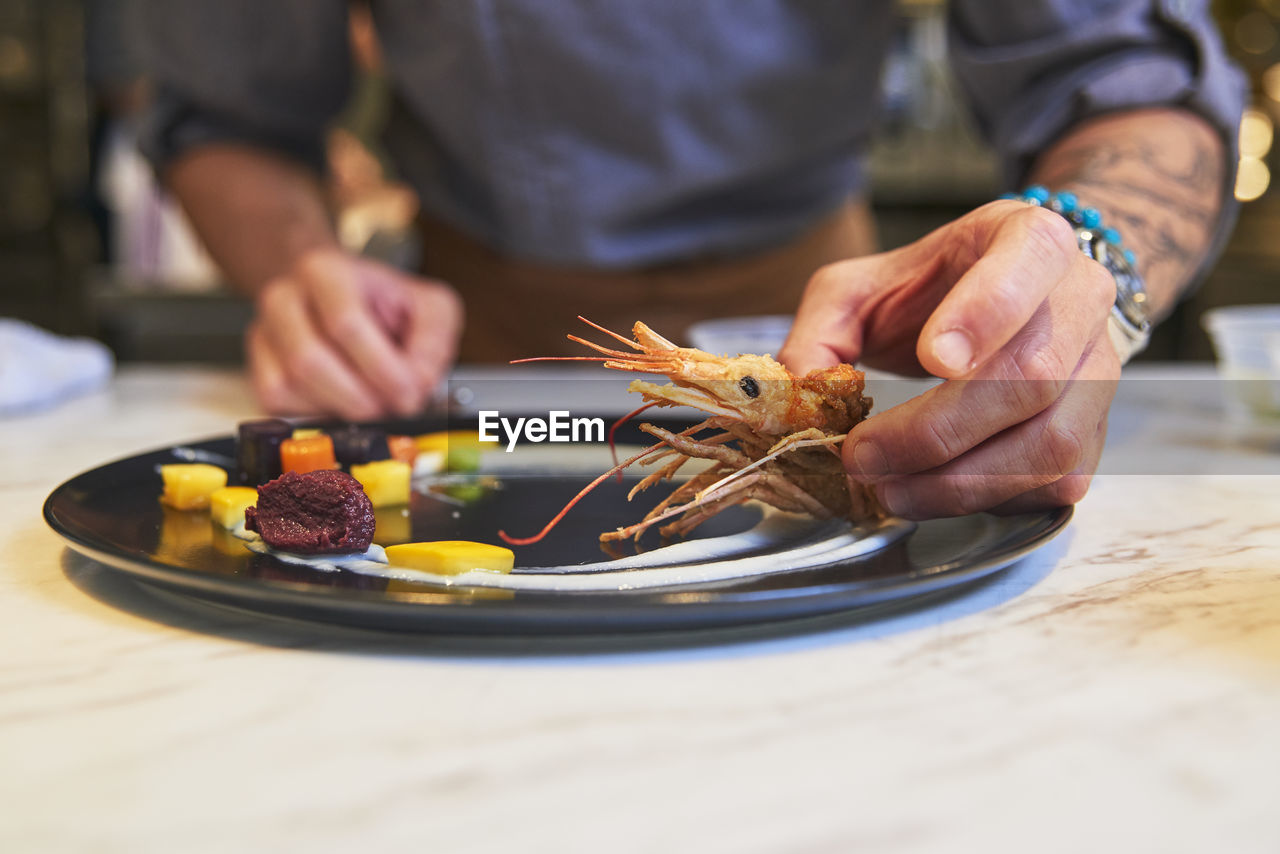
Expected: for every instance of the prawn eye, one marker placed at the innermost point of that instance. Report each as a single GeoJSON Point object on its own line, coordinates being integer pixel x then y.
{"type": "Point", "coordinates": [749, 386]}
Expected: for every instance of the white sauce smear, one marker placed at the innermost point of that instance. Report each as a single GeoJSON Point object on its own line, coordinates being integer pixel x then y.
{"type": "Point", "coordinates": [780, 542]}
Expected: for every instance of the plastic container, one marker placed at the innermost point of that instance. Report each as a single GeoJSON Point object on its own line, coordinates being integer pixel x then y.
{"type": "Point", "coordinates": [1246, 339]}
{"type": "Point", "coordinates": [731, 336]}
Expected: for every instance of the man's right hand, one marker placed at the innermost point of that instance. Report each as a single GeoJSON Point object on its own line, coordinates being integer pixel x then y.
{"type": "Point", "coordinates": [348, 336]}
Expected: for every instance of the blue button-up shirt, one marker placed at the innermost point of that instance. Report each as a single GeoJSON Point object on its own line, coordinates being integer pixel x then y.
{"type": "Point", "coordinates": [630, 132]}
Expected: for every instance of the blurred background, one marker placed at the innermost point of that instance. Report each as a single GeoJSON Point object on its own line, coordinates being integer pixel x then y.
{"type": "Point", "coordinates": [89, 244]}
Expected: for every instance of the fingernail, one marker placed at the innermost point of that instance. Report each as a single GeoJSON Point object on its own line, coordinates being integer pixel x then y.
{"type": "Point", "coordinates": [954, 350]}
{"type": "Point", "coordinates": [894, 498]}
{"type": "Point", "coordinates": [869, 460]}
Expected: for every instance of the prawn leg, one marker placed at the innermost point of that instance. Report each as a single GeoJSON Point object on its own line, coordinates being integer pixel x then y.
{"type": "Point", "coordinates": [665, 473]}
{"type": "Point", "coordinates": [731, 457]}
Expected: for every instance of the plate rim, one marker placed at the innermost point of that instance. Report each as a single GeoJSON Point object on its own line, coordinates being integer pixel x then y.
{"type": "Point", "coordinates": [562, 610]}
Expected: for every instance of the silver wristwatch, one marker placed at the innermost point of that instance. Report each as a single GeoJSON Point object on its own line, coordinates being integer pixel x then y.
{"type": "Point", "coordinates": [1130, 322]}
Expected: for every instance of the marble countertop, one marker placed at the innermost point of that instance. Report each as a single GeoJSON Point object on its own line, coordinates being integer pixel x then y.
{"type": "Point", "coordinates": [1118, 690]}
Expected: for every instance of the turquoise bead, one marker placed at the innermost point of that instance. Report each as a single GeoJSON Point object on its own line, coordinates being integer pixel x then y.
{"type": "Point", "coordinates": [1130, 257]}
{"type": "Point", "coordinates": [1090, 218]}
{"type": "Point", "coordinates": [1067, 202]}
{"type": "Point", "coordinates": [1111, 236]}
{"type": "Point", "coordinates": [1037, 194]}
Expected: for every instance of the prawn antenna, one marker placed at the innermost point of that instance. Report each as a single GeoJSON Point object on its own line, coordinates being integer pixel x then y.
{"type": "Point", "coordinates": [633, 345]}
{"type": "Point", "coordinates": [613, 432]}
{"type": "Point", "coordinates": [528, 541]}
{"type": "Point", "coordinates": [616, 354]}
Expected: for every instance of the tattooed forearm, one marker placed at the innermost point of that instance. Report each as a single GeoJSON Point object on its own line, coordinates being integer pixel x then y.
{"type": "Point", "coordinates": [1156, 175]}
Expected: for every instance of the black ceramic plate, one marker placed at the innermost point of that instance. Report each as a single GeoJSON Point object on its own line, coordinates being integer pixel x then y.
{"type": "Point", "coordinates": [112, 514]}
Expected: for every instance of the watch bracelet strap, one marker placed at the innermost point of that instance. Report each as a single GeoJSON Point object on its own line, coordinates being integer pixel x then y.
{"type": "Point", "coordinates": [1126, 345]}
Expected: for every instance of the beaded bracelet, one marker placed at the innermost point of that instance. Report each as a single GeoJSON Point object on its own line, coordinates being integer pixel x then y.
{"type": "Point", "coordinates": [1067, 205]}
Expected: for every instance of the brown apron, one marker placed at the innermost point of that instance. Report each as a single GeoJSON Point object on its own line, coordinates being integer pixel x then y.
{"type": "Point", "coordinates": [517, 309]}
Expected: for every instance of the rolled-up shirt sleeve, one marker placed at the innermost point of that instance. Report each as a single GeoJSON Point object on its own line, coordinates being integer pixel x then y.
{"type": "Point", "coordinates": [1033, 68]}
{"type": "Point", "coordinates": [266, 74]}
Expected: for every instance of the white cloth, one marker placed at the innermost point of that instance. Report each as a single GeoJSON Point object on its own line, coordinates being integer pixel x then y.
{"type": "Point", "coordinates": [39, 369]}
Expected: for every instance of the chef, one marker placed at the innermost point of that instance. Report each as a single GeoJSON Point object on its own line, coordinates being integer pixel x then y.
{"type": "Point", "coordinates": [669, 160]}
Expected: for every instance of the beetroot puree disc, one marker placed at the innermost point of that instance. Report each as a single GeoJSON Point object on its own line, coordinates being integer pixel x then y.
{"type": "Point", "coordinates": [319, 512]}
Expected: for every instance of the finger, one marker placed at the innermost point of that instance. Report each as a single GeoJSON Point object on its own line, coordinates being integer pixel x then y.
{"type": "Point", "coordinates": [432, 328]}
{"type": "Point", "coordinates": [314, 369]}
{"type": "Point", "coordinates": [1066, 490]}
{"type": "Point", "coordinates": [348, 320]}
{"type": "Point", "coordinates": [268, 379]}
{"type": "Point", "coordinates": [1023, 379]}
{"type": "Point", "coordinates": [1030, 250]}
{"type": "Point", "coordinates": [1061, 493]}
{"type": "Point", "coordinates": [1048, 458]}
{"type": "Point", "coordinates": [950, 493]}
{"type": "Point", "coordinates": [826, 330]}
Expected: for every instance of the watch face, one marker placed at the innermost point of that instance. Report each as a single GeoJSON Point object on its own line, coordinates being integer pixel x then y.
{"type": "Point", "coordinates": [1131, 295]}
